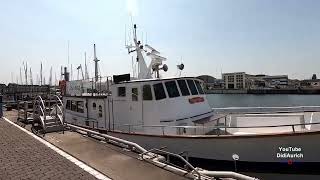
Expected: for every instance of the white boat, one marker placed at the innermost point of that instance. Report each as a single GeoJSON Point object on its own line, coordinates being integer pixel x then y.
{"type": "Point", "coordinates": [174, 113]}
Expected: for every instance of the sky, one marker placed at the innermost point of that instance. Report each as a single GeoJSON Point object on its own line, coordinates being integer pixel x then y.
{"type": "Point", "coordinates": [209, 36]}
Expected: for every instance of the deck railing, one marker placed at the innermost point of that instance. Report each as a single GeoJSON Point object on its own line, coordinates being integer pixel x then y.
{"type": "Point", "coordinates": [153, 157]}
{"type": "Point", "coordinates": [234, 110]}
{"type": "Point", "coordinates": [130, 128]}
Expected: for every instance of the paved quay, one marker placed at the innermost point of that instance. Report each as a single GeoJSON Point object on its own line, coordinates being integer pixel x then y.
{"type": "Point", "coordinates": [112, 161]}
{"type": "Point", "coordinates": [24, 157]}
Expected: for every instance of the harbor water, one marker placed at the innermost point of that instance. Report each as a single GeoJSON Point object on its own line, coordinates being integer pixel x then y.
{"type": "Point", "coordinates": [268, 100]}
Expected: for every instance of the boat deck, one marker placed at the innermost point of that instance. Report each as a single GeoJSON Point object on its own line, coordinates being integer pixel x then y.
{"type": "Point", "coordinates": [24, 157]}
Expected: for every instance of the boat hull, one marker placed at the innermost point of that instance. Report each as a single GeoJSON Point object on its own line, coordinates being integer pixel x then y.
{"type": "Point", "coordinates": [257, 153]}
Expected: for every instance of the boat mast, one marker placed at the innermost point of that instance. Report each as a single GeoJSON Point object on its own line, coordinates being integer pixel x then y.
{"type": "Point", "coordinates": [85, 66]}
{"type": "Point", "coordinates": [41, 74]}
{"type": "Point", "coordinates": [96, 60]}
{"type": "Point", "coordinates": [143, 71]}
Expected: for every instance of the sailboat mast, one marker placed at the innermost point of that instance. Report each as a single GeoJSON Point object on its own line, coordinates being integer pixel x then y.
{"type": "Point", "coordinates": [96, 60]}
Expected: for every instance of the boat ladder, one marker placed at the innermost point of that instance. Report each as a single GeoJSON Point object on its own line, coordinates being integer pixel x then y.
{"type": "Point", "coordinates": [47, 115]}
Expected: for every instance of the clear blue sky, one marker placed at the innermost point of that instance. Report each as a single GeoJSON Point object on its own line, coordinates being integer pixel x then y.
{"type": "Point", "coordinates": [255, 36]}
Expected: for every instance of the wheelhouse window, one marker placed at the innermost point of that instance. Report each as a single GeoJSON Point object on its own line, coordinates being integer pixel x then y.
{"type": "Point", "coordinates": [192, 87]}
{"type": "Point", "coordinates": [147, 95]}
{"type": "Point", "coordinates": [100, 111]}
{"type": "Point", "coordinates": [122, 91]}
{"type": "Point", "coordinates": [172, 89]}
{"type": "Point", "coordinates": [134, 94]}
{"type": "Point", "coordinates": [183, 87]}
{"type": "Point", "coordinates": [159, 91]}
{"type": "Point", "coordinates": [68, 106]}
{"type": "Point", "coordinates": [80, 107]}
{"type": "Point", "coordinates": [199, 87]}
{"type": "Point", "coordinates": [94, 106]}
{"type": "Point", "coordinates": [73, 106]}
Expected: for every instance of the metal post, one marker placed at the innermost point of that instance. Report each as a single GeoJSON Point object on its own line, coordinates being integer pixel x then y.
{"type": "Point", "coordinates": [293, 128]}
{"type": "Point", "coordinates": [162, 130]}
{"type": "Point", "coordinates": [225, 125]}
{"type": "Point", "coordinates": [100, 86]}
{"type": "Point", "coordinates": [92, 87]}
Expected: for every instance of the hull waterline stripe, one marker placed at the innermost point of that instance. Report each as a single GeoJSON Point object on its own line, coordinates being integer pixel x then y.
{"type": "Point", "coordinates": [75, 161]}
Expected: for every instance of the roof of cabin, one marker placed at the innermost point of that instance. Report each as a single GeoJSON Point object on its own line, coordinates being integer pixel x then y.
{"type": "Point", "coordinates": [162, 79]}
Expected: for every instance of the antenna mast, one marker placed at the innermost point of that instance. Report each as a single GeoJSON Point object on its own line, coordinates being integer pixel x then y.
{"type": "Point", "coordinates": [50, 77]}
{"type": "Point", "coordinates": [86, 73]}
{"type": "Point", "coordinates": [41, 74]}
{"type": "Point", "coordinates": [96, 60]}
{"type": "Point", "coordinates": [20, 76]}
{"type": "Point", "coordinates": [31, 80]}
{"type": "Point", "coordinates": [25, 66]}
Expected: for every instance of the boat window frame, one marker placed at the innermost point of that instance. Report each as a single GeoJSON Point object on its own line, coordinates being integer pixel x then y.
{"type": "Point", "coordinates": [100, 111]}
{"type": "Point", "coordinates": [144, 97]}
{"type": "Point", "coordinates": [156, 93]}
{"type": "Point", "coordinates": [194, 85]}
{"type": "Point", "coordinates": [94, 106]}
{"type": "Point", "coordinates": [199, 86]}
{"type": "Point", "coordinates": [68, 105]}
{"type": "Point", "coordinates": [123, 92]}
{"type": "Point", "coordinates": [134, 97]}
{"type": "Point", "coordinates": [174, 84]}
{"type": "Point", "coordinates": [186, 88]}
{"type": "Point", "coordinates": [80, 106]}
{"type": "Point", "coordinates": [74, 106]}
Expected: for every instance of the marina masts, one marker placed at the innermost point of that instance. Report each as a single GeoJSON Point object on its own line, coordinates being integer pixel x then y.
{"type": "Point", "coordinates": [96, 60]}
{"type": "Point", "coordinates": [25, 67]}
{"type": "Point", "coordinates": [20, 76]}
{"type": "Point", "coordinates": [86, 73]}
{"type": "Point", "coordinates": [31, 80]}
{"type": "Point", "coordinates": [50, 77]}
{"type": "Point", "coordinates": [41, 74]}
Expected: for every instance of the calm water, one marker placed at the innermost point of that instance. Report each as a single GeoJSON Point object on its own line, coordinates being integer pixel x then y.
{"type": "Point", "coordinates": [250, 100]}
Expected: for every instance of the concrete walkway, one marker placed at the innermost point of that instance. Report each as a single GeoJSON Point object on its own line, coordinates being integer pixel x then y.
{"type": "Point", "coordinates": [23, 157]}
{"type": "Point", "coordinates": [115, 162]}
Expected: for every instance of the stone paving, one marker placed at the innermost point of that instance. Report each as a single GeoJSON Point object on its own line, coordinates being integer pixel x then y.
{"type": "Point", "coordinates": [23, 157]}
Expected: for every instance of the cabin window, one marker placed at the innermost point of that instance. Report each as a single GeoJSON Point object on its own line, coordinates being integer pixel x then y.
{"type": "Point", "coordinates": [192, 87]}
{"type": "Point", "coordinates": [100, 111]}
{"type": "Point", "coordinates": [147, 95]}
{"type": "Point", "coordinates": [94, 106]}
{"type": "Point", "coordinates": [68, 106]}
{"type": "Point", "coordinates": [121, 91]}
{"type": "Point", "coordinates": [159, 91]}
{"type": "Point", "coordinates": [73, 106]}
{"type": "Point", "coordinates": [80, 107]}
{"type": "Point", "coordinates": [183, 87]}
{"type": "Point", "coordinates": [134, 94]}
{"type": "Point", "coordinates": [199, 87]}
{"type": "Point", "coordinates": [172, 89]}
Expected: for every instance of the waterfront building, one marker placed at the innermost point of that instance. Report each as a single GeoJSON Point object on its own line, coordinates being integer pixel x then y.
{"type": "Point", "coordinates": [277, 81]}
{"type": "Point", "coordinates": [310, 83]}
{"type": "Point", "coordinates": [236, 80]}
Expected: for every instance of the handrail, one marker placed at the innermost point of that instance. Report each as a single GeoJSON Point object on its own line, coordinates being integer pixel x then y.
{"type": "Point", "coordinates": [61, 119]}
{"type": "Point", "coordinates": [57, 98]}
{"type": "Point", "coordinates": [156, 159]}
{"type": "Point", "coordinates": [232, 110]}
{"type": "Point", "coordinates": [130, 126]}
{"type": "Point", "coordinates": [267, 107]}
{"type": "Point", "coordinates": [42, 120]}
{"type": "Point", "coordinates": [266, 126]}
{"type": "Point", "coordinates": [177, 156]}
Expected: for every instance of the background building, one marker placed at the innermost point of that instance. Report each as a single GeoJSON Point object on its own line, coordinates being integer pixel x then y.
{"type": "Point", "coordinates": [211, 82]}
{"type": "Point", "coordinates": [236, 80]}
